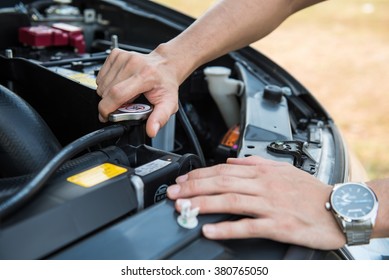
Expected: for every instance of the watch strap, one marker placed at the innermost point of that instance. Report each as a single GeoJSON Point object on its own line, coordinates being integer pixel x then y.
{"type": "Point", "coordinates": [358, 233]}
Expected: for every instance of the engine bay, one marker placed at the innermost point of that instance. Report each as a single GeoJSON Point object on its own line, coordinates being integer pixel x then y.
{"type": "Point", "coordinates": [107, 181]}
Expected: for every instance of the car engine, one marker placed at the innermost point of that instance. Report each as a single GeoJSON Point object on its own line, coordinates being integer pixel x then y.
{"type": "Point", "coordinates": [72, 187]}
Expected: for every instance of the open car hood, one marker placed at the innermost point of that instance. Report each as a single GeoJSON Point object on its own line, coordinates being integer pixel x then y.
{"type": "Point", "coordinates": [50, 55]}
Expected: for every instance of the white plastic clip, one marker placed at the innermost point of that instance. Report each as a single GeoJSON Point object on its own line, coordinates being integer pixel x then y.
{"type": "Point", "coordinates": [188, 217]}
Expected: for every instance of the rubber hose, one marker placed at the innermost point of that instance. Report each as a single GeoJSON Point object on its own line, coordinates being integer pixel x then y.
{"type": "Point", "coordinates": [190, 133]}
{"type": "Point", "coordinates": [26, 142]}
{"type": "Point", "coordinates": [35, 185]}
{"type": "Point", "coordinates": [9, 186]}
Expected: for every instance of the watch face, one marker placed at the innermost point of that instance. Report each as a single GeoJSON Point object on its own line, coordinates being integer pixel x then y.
{"type": "Point", "coordinates": [353, 200]}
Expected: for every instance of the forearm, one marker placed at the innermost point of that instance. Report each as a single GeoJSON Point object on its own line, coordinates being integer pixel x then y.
{"type": "Point", "coordinates": [228, 26]}
{"type": "Point", "coordinates": [381, 188]}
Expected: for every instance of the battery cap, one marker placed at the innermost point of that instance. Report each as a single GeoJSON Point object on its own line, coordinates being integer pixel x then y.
{"type": "Point", "coordinates": [188, 217]}
{"type": "Point", "coordinates": [131, 112]}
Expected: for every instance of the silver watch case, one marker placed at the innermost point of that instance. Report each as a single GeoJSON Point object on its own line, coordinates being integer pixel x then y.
{"type": "Point", "coordinates": [357, 230]}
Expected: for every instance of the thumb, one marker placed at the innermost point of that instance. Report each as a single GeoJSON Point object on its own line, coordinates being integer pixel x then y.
{"type": "Point", "coordinates": [159, 117]}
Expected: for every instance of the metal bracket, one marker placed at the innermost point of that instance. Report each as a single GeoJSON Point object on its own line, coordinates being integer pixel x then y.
{"type": "Point", "coordinates": [298, 149]}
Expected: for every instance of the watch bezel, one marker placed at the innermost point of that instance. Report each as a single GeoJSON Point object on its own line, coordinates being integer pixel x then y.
{"type": "Point", "coordinates": [370, 216]}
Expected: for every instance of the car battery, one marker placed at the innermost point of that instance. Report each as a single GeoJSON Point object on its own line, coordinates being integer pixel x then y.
{"type": "Point", "coordinates": [155, 170]}
{"type": "Point", "coordinates": [93, 191]}
{"type": "Point", "coordinates": [68, 208]}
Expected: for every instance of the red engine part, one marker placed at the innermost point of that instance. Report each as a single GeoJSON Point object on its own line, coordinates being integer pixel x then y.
{"type": "Point", "coordinates": [76, 37]}
{"type": "Point", "coordinates": [60, 34]}
{"type": "Point", "coordinates": [37, 36]}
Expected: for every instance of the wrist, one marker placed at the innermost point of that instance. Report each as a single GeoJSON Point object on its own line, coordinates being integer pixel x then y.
{"type": "Point", "coordinates": [177, 61]}
{"type": "Point", "coordinates": [381, 228]}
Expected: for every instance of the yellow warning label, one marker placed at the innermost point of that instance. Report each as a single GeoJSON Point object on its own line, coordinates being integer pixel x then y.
{"type": "Point", "coordinates": [96, 175]}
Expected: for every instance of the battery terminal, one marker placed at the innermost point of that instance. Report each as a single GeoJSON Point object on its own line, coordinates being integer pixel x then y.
{"type": "Point", "coordinates": [188, 217]}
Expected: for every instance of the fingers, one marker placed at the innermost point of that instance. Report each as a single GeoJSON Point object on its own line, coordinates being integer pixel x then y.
{"type": "Point", "coordinates": [240, 171]}
{"type": "Point", "coordinates": [122, 92]}
{"type": "Point", "coordinates": [116, 84]}
{"type": "Point", "coordinates": [126, 75]}
{"type": "Point", "coordinates": [243, 228]}
{"type": "Point", "coordinates": [255, 228]}
{"type": "Point", "coordinates": [222, 178]}
{"type": "Point", "coordinates": [113, 67]}
{"type": "Point", "coordinates": [215, 185]}
{"type": "Point", "coordinates": [231, 203]}
{"type": "Point", "coordinates": [278, 230]}
{"type": "Point", "coordinates": [265, 221]}
{"type": "Point", "coordinates": [254, 160]}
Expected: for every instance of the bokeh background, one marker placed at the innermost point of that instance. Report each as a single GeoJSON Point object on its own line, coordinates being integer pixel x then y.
{"type": "Point", "coordinates": [339, 50]}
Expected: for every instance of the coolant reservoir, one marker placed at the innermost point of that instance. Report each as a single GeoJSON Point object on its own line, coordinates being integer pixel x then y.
{"type": "Point", "coordinates": [224, 91]}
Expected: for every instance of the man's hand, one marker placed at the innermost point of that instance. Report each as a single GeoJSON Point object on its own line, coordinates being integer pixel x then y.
{"type": "Point", "coordinates": [126, 75]}
{"type": "Point", "coordinates": [280, 202]}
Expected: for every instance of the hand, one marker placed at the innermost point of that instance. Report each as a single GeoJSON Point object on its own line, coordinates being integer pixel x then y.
{"type": "Point", "coordinates": [281, 202]}
{"type": "Point", "coordinates": [126, 75]}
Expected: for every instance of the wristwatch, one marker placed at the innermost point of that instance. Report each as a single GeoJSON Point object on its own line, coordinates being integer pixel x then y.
{"type": "Point", "coordinates": [355, 207]}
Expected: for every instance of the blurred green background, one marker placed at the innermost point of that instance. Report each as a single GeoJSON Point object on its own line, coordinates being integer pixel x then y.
{"type": "Point", "coordinates": [339, 50]}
